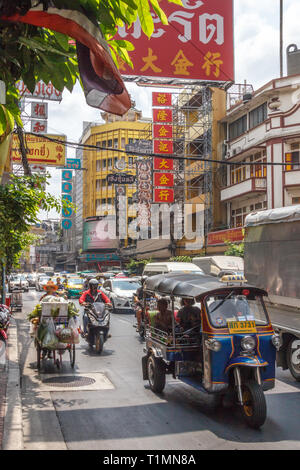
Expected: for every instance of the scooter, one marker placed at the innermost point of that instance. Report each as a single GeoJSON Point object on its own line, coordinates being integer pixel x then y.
{"type": "Point", "coordinates": [98, 315]}
{"type": "Point", "coordinates": [4, 322]}
{"type": "Point", "coordinates": [139, 311]}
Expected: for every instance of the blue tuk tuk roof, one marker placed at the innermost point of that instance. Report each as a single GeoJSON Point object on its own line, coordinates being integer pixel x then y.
{"type": "Point", "coordinates": [191, 285]}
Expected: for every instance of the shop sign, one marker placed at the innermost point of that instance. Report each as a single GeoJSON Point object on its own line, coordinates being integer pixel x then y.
{"type": "Point", "coordinates": [163, 195]}
{"type": "Point", "coordinates": [40, 150]}
{"type": "Point", "coordinates": [220, 238]}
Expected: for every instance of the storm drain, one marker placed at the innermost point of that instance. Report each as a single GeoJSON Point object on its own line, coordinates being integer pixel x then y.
{"type": "Point", "coordinates": [69, 381]}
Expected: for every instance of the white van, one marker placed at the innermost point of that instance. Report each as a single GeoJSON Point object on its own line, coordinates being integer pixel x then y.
{"type": "Point", "coordinates": [220, 265]}
{"type": "Point", "coordinates": [151, 269]}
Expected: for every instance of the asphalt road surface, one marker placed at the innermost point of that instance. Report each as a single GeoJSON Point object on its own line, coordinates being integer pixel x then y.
{"type": "Point", "coordinates": [110, 407]}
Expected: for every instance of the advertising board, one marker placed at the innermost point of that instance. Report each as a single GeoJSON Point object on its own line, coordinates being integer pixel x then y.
{"type": "Point", "coordinates": [40, 150]}
{"type": "Point", "coordinates": [199, 38]}
{"type": "Point", "coordinates": [99, 234]}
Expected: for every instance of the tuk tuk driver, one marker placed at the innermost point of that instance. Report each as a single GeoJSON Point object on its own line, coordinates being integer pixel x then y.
{"type": "Point", "coordinates": [188, 316]}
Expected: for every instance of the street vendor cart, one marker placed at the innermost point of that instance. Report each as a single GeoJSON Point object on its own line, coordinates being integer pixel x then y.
{"type": "Point", "coordinates": [55, 332]}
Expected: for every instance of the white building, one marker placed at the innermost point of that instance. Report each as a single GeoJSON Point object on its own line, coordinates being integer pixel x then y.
{"type": "Point", "coordinates": [265, 127]}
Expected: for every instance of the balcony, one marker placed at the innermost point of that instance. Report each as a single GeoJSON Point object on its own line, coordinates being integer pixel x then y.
{"type": "Point", "coordinates": [248, 187]}
{"type": "Point", "coordinates": [292, 178]}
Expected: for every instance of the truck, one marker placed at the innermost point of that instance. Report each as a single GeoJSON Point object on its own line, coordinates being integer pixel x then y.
{"type": "Point", "coordinates": [272, 261]}
{"type": "Point", "coordinates": [220, 265]}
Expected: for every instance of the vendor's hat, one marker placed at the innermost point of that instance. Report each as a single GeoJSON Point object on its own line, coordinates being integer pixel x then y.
{"type": "Point", "coordinates": [50, 284]}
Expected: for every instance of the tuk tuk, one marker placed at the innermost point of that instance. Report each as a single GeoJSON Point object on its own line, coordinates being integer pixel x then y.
{"type": "Point", "coordinates": [230, 352]}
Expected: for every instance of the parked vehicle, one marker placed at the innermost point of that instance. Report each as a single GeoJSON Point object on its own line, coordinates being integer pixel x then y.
{"type": "Point", "coordinates": [4, 322]}
{"type": "Point", "coordinates": [47, 270]}
{"type": "Point", "coordinates": [98, 314]}
{"type": "Point", "coordinates": [220, 265]}
{"type": "Point", "coordinates": [18, 282]}
{"type": "Point", "coordinates": [41, 282]}
{"type": "Point", "coordinates": [152, 269]}
{"type": "Point", "coordinates": [120, 292]}
{"type": "Point", "coordinates": [230, 353]}
{"type": "Point", "coordinates": [272, 260]}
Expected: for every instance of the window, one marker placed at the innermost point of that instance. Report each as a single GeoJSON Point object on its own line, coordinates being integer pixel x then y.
{"type": "Point", "coordinates": [130, 161]}
{"type": "Point", "coordinates": [98, 144]}
{"type": "Point", "coordinates": [258, 170]}
{"type": "Point", "coordinates": [123, 142]}
{"type": "Point", "coordinates": [237, 174]}
{"type": "Point", "coordinates": [109, 143]}
{"type": "Point", "coordinates": [295, 200]}
{"type": "Point", "coordinates": [104, 163]}
{"type": "Point", "coordinates": [238, 217]}
{"type": "Point", "coordinates": [103, 143]}
{"type": "Point", "coordinates": [98, 165]}
{"type": "Point", "coordinates": [98, 185]}
{"type": "Point", "coordinates": [293, 159]}
{"type": "Point", "coordinates": [116, 143]}
{"type": "Point", "coordinates": [258, 115]}
{"type": "Point", "coordinates": [115, 161]}
{"type": "Point", "coordinates": [238, 127]}
{"type": "Point", "coordinates": [109, 163]}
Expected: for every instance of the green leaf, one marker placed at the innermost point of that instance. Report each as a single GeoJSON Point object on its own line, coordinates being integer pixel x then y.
{"type": "Point", "coordinates": [145, 17]}
{"type": "Point", "coordinates": [160, 13]}
{"type": "Point", "coordinates": [62, 40]}
{"type": "Point", "coordinates": [3, 121]}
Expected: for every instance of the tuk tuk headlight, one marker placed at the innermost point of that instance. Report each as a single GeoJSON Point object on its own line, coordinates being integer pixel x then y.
{"type": "Point", "coordinates": [248, 343]}
{"type": "Point", "coordinates": [213, 345]}
{"type": "Point", "coordinates": [276, 341]}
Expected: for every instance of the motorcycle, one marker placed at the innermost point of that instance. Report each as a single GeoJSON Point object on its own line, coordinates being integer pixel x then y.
{"type": "Point", "coordinates": [4, 322]}
{"type": "Point", "coordinates": [98, 315]}
{"type": "Point", "coordinates": [139, 313]}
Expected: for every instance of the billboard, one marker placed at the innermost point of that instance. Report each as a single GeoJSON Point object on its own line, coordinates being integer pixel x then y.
{"type": "Point", "coordinates": [40, 150]}
{"type": "Point", "coordinates": [42, 91]}
{"type": "Point", "coordinates": [199, 38]}
{"type": "Point", "coordinates": [100, 234]}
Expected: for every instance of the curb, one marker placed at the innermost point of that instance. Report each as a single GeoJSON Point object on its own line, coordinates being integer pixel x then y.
{"type": "Point", "coordinates": [13, 428]}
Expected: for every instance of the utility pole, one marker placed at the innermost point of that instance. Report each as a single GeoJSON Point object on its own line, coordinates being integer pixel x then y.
{"type": "Point", "coordinates": [281, 38]}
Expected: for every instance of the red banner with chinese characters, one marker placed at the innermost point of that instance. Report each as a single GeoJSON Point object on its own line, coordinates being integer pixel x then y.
{"type": "Point", "coordinates": [162, 131]}
{"type": "Point", "coordinates": [163, 163]}
{"type": "Point", "coordinates": [164, 195]}
{"type": "Point", "coordinates": [164, 179]}
{"type": "Point", "coordinates": [161, 99]}
{"type": "Point", "coordinates": [162, 115]}
{"type": "Point", "coordinates": [231, 235]}
{"type": "Point", "coordinates": [163, 146]}
{"type": "Point", "coordinates": [196, 44]}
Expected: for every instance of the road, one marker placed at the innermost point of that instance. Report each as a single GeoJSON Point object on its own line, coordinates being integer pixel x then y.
{"type": "Point", "coordinates": [113, 408]}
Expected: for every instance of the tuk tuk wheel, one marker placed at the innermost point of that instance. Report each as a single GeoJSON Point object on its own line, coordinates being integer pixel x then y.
{"type": "Point", "coordinates": [293, 358]}
{"type": "Point", "coordinates": [156, 374]}
{"type": "Point", "coordinates": [254, 409]}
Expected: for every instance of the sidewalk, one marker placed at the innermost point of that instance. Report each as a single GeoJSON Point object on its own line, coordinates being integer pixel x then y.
{"type": "Point", "coordinates": [10, 402]}
{"type": "Point", "coordinates": [3, 386]}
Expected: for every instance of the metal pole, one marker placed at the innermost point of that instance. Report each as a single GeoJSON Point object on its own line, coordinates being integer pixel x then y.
{"type": "Point", "coordinates": [173, 323]}
{"type": "Point", "coordinates": [281, 38]}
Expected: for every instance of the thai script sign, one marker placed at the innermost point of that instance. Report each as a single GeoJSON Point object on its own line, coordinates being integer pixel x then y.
{"type": "Point", "coordinates": [120, 178]}
{"type": "Point", "coordinates": [231, 235]}
{"type": "Point", "coordinates": [42, 91]}
{"type": "Point", "coordinates": [198, 43]}
{"type": "Point", "coordinates": [73, 163]}
{"type": "Point", "coordinates": [40, 150]}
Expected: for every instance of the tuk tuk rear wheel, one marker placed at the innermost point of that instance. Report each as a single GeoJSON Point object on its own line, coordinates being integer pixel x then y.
{"type": "Point", "coordinates": [254, 408]}
{"type": "Point", "coordinates": [292, 358]}
{"type": "Point", "coordinates": [156, 374]}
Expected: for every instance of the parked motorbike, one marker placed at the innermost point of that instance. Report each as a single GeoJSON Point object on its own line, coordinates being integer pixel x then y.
{"type": "Point", "coordinates": [98, 315]}
{"type": "Point", "coordinates": [4, 322]}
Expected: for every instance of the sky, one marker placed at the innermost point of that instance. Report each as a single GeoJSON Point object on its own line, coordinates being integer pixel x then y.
{"type": "Point", "coordinates": [256, 50]}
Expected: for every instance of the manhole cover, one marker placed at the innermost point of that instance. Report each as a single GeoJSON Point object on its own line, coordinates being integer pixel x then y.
{"type": "Point", "coordinates": [69, 381]}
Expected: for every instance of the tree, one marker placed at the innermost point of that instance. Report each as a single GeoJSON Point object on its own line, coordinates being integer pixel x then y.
{"type": "Point", "coordinates": [182, 259]}
{"type": "Point", "coordinates": [135, 267]}
{"type": "Point", "coordinates": [20, 202]}
{"type": "Point", "coordinates": [235, 249]}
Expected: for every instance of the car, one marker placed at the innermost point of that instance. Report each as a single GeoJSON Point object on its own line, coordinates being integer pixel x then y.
{"type": "Point", "coordinates": [31, 278]}
{"type": "Point", "coordinates": [18, 281]}
{"type": "Point", "coordinates": [74, 287]}
{"type": "Point", "coordinates": [41, 282]}
{"type": "Point", "coordinates": [120, 291]}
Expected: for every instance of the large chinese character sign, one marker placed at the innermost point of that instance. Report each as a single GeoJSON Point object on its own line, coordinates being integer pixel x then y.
{"type": "Point", "coordinates": [196, 44]}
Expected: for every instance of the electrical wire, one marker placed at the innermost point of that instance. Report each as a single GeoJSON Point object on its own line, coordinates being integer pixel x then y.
{"type": "Point", "coordinates": [153, 155]}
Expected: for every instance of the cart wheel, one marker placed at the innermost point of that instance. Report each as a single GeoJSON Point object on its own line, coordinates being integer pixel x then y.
{"type": "Point", "coordinates": [293, 358]}
{"type": "Point", "coordinates": [72, 355]}
{"type": "Point", "coordinates": [254, 408]}
{"type": "Point", "coordinates": [156, 374]}
{"type": "Point", "coordinates": [38, 355]}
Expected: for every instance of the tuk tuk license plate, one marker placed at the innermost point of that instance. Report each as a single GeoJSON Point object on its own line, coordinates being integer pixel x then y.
{"type": "Point", "coordinates": [242, 326]}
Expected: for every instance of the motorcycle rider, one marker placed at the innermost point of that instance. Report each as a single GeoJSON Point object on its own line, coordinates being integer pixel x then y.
{"type": "Point", "coordinates": [89, 297]}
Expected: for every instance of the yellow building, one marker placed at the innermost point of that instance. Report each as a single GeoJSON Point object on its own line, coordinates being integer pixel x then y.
{"type": "Point", "coordinates": [203, 108]}
{"type": "Point", "coordinates": [114, 134]}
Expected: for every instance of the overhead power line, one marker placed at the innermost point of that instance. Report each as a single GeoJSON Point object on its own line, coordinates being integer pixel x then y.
{"type": "Point", "coordinates": [157, 155]}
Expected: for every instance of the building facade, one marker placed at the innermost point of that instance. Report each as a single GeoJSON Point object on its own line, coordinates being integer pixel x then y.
{"type": "Point", "coordinates": [98, 194]}
{"type": "Point", "coordinates": [263, 128]}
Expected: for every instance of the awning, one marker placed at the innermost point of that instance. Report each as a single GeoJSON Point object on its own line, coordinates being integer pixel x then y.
{"type": "Point", "coordinates": [102, 82]}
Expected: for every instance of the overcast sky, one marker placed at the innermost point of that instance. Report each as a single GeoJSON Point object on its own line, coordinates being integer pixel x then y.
{"type": "Point", "coordinates": [256, 40]}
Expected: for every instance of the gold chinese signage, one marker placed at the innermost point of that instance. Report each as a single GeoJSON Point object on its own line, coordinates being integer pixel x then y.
{"type": "Point", "coordinates": [40, 150]}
